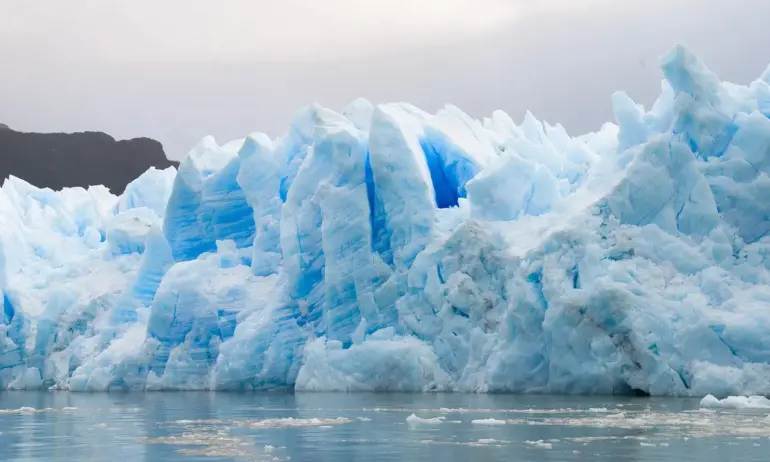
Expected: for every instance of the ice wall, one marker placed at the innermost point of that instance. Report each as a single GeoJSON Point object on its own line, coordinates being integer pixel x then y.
{"type": "Point", "coordinates": [385, 248]}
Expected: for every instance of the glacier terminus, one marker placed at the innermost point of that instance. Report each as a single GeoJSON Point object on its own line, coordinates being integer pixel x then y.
{"type": "Point", "coordinates": [383, 248]}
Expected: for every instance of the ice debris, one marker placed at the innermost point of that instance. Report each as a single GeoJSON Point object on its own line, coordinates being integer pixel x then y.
{"type": "Point", "coordinates": [735, 402]}
{"type": "Point", "coordinates": [413, 419]}
{"type": "Point", "coordinates": [386, 248]}
{"type": "Point", "coordinates": [489, 421]}
{"type": "Point", "coordinates": [540, 444]}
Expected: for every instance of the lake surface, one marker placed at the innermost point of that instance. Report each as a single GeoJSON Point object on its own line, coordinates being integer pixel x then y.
{"type": "Point", "coordinates": [277, 426]}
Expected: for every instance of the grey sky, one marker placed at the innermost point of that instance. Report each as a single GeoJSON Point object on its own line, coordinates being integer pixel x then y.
{"type": "Point", "coordinates": [176, 70]}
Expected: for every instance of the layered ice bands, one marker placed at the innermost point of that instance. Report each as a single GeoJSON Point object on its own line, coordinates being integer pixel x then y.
{"type": "Point", "coordinates": [385, 248]}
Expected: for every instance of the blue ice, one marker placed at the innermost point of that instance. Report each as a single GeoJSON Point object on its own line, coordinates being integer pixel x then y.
{"type": "Point", "coordinates": [384, 248]}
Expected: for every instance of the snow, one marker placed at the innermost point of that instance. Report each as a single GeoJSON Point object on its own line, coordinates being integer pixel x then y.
{"type": "Point", "coordinates": [383, 248]}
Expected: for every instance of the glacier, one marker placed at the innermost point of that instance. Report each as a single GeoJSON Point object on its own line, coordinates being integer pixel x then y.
{"type": "Point", "coordinates": [383, 248]}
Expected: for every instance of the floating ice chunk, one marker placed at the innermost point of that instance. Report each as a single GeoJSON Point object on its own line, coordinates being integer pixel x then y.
{"type": "Point", "coordinates": [413, 419]}
{"type": "Point", "coordinates": [735, 402]}
{"type": "Point", "coordinates": [21, 410]}
{"type": "Point", "coordinates": [487, 441]}
{"type": "Point", "coordinates": [488, 422]}
{"type": "Point", "coordinates": [540, 444]}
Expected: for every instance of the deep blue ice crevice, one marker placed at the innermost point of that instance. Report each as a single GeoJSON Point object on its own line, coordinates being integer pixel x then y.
{"type": "Point", "coordinates": [402, 183]}
{"type": "Point", "coordinates": [207, 204]}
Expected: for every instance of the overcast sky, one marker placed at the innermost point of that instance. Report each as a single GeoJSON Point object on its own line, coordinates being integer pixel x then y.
{"type": "Point", "coordinates": [176, 70]}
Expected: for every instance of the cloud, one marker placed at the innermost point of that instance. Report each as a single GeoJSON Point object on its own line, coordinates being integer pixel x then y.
{"type": "Point", "coordinates": [258, 30]}
{"type": "Point", "coordinates": [153, 68]}
{"type": "Point", "coordinates": [194, 30]}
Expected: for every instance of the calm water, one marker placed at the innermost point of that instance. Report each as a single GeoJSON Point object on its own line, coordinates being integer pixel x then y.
{"type": "Point", "coordinates": [213, 427]}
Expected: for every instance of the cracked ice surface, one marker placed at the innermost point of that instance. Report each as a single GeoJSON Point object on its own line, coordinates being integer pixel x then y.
{"type": "Point", "coordinates": [386, 248]}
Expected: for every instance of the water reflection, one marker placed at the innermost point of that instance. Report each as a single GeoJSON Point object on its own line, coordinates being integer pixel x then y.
{"type": "Point", "coordinates": [59, 426]}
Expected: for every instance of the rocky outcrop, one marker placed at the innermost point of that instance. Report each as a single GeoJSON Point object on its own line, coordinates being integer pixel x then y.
{"type": "Point", "coordinates": [57, 160]}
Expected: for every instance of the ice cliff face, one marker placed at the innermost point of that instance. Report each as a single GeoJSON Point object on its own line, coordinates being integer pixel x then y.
{"type": "Point", "coordinates": [384, 248]}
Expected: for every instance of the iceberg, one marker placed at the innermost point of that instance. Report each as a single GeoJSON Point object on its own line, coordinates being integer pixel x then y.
{"type": "Point", "coordinates": [384, 248]}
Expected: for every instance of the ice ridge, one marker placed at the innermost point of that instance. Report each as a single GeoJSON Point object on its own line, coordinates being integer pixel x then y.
{"type": "Point", "coordinates": [386, 248]}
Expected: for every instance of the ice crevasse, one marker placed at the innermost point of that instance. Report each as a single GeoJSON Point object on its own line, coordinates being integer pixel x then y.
{"type": "Point", "coordinates": [386, 248]}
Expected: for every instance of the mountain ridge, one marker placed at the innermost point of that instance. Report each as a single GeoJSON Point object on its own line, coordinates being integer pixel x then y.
{"type": "Point", "coordinates": [59, 160]}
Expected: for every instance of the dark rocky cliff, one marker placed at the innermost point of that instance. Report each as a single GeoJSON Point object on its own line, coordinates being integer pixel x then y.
{"type": "Point", "coordinates": [57, 160]}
